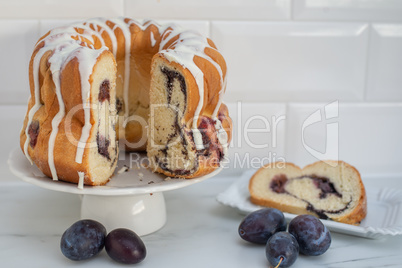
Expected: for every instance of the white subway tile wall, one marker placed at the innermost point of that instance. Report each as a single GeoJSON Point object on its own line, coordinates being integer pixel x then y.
{"type": "Point", "coordinates": [385, 66]}
{"type": "Point", "coordinates": [367, 135]}
{"type": "Point", "coordinates": [60, 9]}
{"type": "Point", "coordinates": [18, 38]}
{"type": "Point", "coordinates": [47, 24]}
{"type": "Point", "coordinates": [292, 61]}
{"type": "Point", "coordinates": [10, 115]}
{"type": "Point", "coordinates": [258, 134]}
{"type": "Point", "coordinates": [349, 10]}
{"type": "Point", "coordinates": [200, 26]}
{"type": "Point", "coordinates": [210, 9]}
{"type": "Point", "coordinates": [286, 60]}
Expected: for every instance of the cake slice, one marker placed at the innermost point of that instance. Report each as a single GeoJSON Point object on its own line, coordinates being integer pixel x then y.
{"type": "Point", "coordinates": [329, 190]}
{"type": "Point", "coordinates": [72, 136]}
{"type": "Point", "coordinates": [174, 148]}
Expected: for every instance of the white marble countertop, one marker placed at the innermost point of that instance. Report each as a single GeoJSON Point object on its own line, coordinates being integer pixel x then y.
{"type": "Point", "coordinates": [199, 231]}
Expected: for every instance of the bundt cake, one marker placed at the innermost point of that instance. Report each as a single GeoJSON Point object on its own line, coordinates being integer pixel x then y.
{"type": "Point", "coordinates": [109, 84]}
{"type": "Point", "coordinates": [329, 190]}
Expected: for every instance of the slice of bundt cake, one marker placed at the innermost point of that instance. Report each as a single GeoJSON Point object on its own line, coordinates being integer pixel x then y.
{"type": "Point", "coordinates": [70, 135]}
{"type": "Point", "coordinates": [330, 190]}
{"type": "Point", "coordinates": [189, 127]}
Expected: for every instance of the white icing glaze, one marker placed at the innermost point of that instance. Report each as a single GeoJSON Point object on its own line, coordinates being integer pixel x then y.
{"type": "Point", "coordinates": [81, 176]}
{"type": "Point", "coordinates": [188, 45]}
{"type": "Point", "coordinates": [102, 23]}
{"type": "Point", "coordinates": [153, 41]}
{"type": "Point", "coordinates": [64, 49]}
{"type": "Point", "coordinates": [86, 60]}
{"type": "Point", "coordinates": [56, 60]}
{"type": "Point", "coordinates": [127, 37]}
{"type": "Point", "coordinates": [37, 104]}
{"type": "Point", "coordinates": [122, 170]}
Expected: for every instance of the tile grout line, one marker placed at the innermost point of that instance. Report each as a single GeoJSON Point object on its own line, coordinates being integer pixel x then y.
{"type": "Point", "coordinates": [38, 33]}
{"type": "Point", "coordinates": [285, 144]}
{"type": "Point", "coordinates": [367, 69]}
{"type": "Point", "coordinates": [124, 7]}
{"type": "Point", "coordinates": [209, 29]}
{"type": "Point", "coordinates": [292, 10]}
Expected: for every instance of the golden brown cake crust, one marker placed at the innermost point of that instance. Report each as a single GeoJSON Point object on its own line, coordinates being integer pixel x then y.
{"type": "Point", "coordinates": [354, 217]}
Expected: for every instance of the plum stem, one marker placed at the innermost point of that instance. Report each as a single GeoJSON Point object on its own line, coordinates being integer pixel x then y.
{"type": "Point", "coordinates": [279, 263]}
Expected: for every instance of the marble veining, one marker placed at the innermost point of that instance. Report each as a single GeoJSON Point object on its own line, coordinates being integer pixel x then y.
{"type": "Point", "coordinates": [199, 232]}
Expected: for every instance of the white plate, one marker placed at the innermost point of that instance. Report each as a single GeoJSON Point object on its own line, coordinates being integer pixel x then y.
{"type": "Point", "coordinates": [137, 180]}
{"type": "Point", "coordinates": [384, 215]}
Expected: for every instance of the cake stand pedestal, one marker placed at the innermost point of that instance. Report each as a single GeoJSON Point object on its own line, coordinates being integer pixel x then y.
{"type": "Point", "coordinates": [132, 199]}
{"type": "Point", "coordinates": [144, 213]}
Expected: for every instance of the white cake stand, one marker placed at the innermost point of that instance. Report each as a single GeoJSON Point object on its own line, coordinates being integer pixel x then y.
{"type": "Point", "coordinates": [132, 199]}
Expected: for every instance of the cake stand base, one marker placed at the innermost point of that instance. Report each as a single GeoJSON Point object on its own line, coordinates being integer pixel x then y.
{"type": "Point", "coordinates": [142, 213]}
{"type": "Point", "coordinates": [133, 199]}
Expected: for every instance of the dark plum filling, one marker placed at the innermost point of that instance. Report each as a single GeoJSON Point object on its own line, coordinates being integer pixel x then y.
{"type": "Point", "coordinates": [103, 145]}
{"type": "Point", "coordinates": [206, 123]}
{"type": "Point", "coordinates": [206, 140]}
{"type": "Point", "coordinates": [119, 105]}
{"type": "Point", "coordinates": [33, 132]}
{"type": "Point", "coordinates": [278, 183]}
{"type": "Point", "coordinates": [206, 126]}
{"type": "Point", "coordinates": [104, 91]}
{"type": "Point", "coordinates": [326, 187]}
{"type": "Point", "coordinates": [170, 77]}
{"type": "Point", "coordinates": [211, 143]}
{"type": "Point", "coordinates": [321, 212]}
{"type": "Point", "coordinates": [322, 183]}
